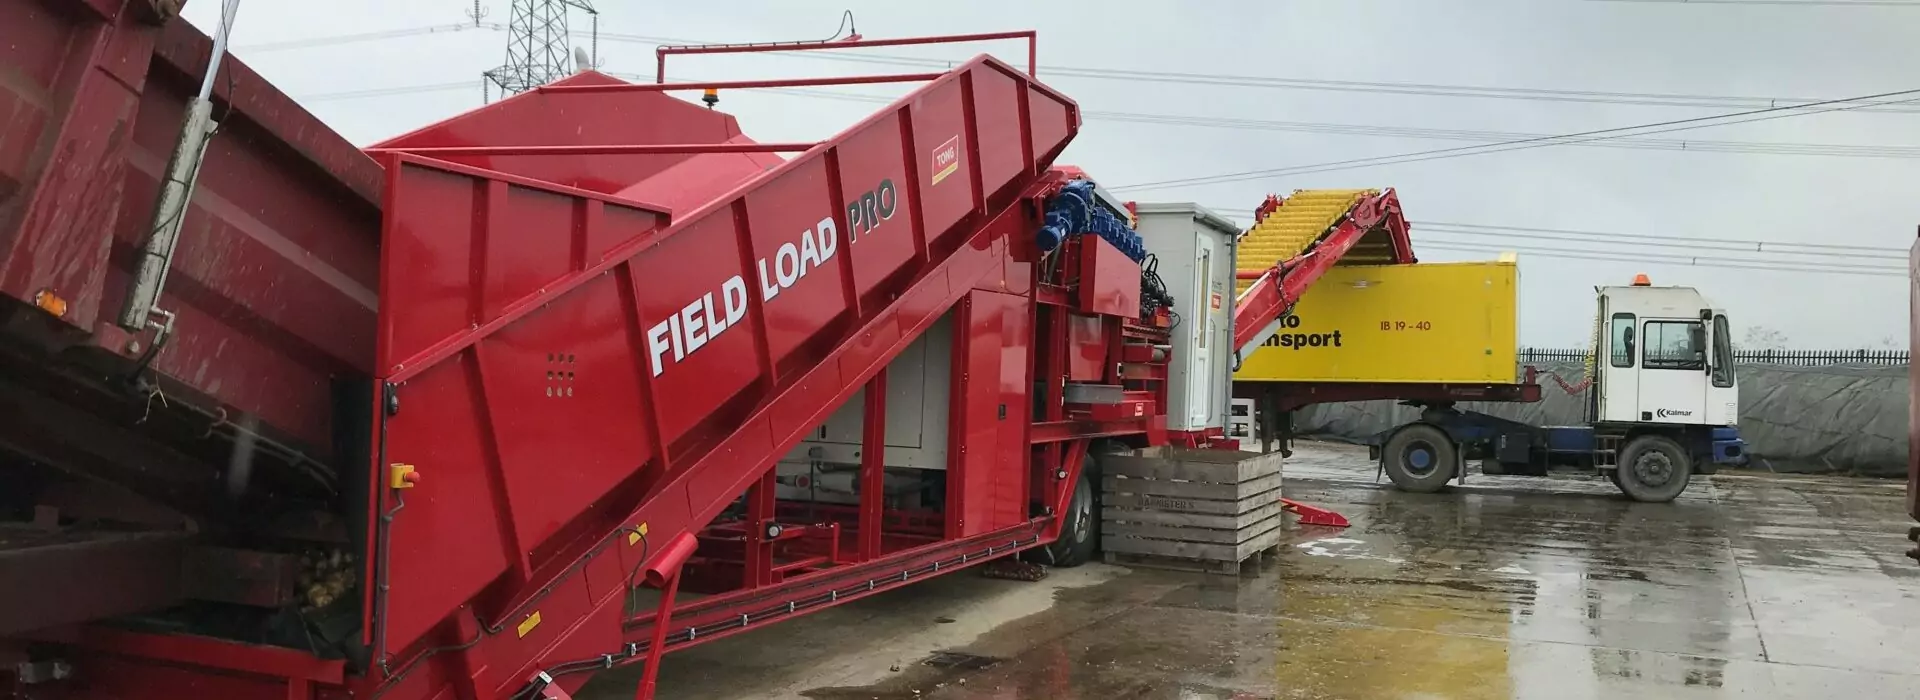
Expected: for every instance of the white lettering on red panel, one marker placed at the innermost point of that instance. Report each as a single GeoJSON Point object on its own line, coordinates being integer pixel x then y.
{"type": "Point", "coordinates": [701, 320]}
{"type": "Point", "coordinates": [697, 324]}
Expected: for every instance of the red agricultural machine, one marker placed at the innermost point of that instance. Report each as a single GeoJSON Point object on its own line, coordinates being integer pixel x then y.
{"type": "Point", "coordinates": [433, 419]}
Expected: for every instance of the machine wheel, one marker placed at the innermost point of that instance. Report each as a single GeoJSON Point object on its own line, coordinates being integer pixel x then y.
{"type": "Point", "coordinates": [1420, 458]}
{"type": "Point", "coordinates": [1080, 532]}
{"type": "Point", "coordinates": [1654, 469]}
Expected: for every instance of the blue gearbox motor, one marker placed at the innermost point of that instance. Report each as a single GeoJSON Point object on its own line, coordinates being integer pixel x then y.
{"type": "Point", "coordinates": [1073, 212]}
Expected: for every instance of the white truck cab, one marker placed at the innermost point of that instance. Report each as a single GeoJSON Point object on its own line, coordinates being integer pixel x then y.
{"type": "Point", "coordinates": [1667, 358]}
{"type": "Point", "coordinates": [1662, 407]}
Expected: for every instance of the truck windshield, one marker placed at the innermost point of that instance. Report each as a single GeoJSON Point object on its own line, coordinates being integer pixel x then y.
{"type": "Point", "coordinates": [1674, 345]}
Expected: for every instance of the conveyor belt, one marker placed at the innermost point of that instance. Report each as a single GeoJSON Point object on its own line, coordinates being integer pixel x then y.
{"type": "Point", "coordinates": [1302, 219]}
{"type": "Point", "coordinates": [1296, 239]}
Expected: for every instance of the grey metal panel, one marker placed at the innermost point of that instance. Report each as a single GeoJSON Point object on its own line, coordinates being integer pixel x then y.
{"type": "Point", "coordinates": [918, 381]}
{"type": "Point", "coordinates": [1175, 234]}
{"type": "Point", "coordinates": [1105, 394]}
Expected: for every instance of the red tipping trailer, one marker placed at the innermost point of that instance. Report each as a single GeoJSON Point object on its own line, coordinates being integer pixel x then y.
{"type": "Point", "coordinates": [429, 415]}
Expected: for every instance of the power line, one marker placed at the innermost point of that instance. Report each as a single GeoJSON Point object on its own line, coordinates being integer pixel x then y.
{"type": "Point", "coordinates": [1419, 89]}
{"type": "Point", "coordinates": [1705, 146]}
{"type": "Point", "coordinates": [1737, 147]}
{"type": "Point", "coordinates": [1584, 235]}
{"type": "Point", "coordinates": [1426, 236]}
{"type": "Point", "coordinates": [1212, 79]}
{"type": "Point", "coordinates": [1655, 259]}
{"type": "Point", "coordinates": [1515, 232]}
{"type": "Point", "coordinates": [1889, 252]}
{"type": "Point", "coordinates": [386, 92]}
{"type": "Point", "coordinates": [1519, 144]}
{"type": "Point", "coordinates": [339, 39]}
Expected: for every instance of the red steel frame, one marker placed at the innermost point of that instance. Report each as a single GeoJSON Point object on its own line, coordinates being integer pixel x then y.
{"type": "Point", "coordinates": [504, 561]}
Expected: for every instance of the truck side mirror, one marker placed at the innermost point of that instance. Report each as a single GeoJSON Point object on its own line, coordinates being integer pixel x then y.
{"type": "Point", "coordinates": [1698, 337]}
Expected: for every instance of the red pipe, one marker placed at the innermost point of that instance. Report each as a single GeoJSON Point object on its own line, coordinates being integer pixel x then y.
{"type": "Point", "coordinates": [615, 149]}
{"type": "Point", "coordinates": [1031, 36]}
{"type": "Point", "coordinates": [743, 84]}
{"type": "Point", "coordinates": [663, 572]}
{"type": "Point", "coordinates": [650, 676]}
{"type": "Point", "coordinates": [667, 564]}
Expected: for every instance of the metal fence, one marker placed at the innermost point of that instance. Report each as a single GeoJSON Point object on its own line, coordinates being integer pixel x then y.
{"type": "Point", "coordinates": [1802, 358]}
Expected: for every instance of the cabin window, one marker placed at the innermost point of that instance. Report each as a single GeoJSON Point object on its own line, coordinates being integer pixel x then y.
{"type": "Point", "coordinates": [1675, 345]}
{"type": "Point", "coordinates": [1622, 340]}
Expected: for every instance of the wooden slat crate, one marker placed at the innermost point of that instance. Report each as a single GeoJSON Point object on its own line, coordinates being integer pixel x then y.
{"type": "Point", "coordinates": [1206, 510]}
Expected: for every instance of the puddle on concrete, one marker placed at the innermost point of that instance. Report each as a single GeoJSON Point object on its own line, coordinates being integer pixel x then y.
{"type": "Point", "coordinates": [1749, 590]}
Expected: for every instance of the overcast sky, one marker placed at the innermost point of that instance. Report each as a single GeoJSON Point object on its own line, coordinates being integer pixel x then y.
{"type": "Point", "coordinates": [372, 89]}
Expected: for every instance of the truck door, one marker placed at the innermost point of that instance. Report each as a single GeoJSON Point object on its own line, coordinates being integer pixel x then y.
{"type": "Point", "coordinates": [1200, 384]}
{"type": "Point", "coordinates": [1618, 368]}
{"type": "Point", "coordinates": [1673, 371]}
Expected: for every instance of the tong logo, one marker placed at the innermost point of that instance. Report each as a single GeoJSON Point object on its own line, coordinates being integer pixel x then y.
{"type": "Point", "coordinates": [946, 159]}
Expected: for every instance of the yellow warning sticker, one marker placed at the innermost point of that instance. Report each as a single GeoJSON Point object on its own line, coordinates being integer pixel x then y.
{"type": "Point", "coordinates": [528, 624]}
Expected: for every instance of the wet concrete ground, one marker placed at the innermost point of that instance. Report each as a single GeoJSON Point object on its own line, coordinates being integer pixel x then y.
{"type": "Point", "coordinates": [1751, 586]}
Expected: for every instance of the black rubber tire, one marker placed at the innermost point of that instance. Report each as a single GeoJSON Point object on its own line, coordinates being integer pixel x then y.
{"type": "Point", "coordinates": [1403, 457]}
{"type": "Point", "coordinates": [1654, 469]}
{"type": "Point", "coordinates": [1080, 530]}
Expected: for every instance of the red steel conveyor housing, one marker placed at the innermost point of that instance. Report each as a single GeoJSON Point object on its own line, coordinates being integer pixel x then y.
{"type": "Point", "coordinates": [614, 310]}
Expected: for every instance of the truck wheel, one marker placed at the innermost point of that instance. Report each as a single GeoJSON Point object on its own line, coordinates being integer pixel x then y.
{"type": "Point", "coordinates": [1080, 527]}
{"type": "Point", "coordinates": [1654, 469]}
{"type": "Point", "coordinates": [1420, 458]}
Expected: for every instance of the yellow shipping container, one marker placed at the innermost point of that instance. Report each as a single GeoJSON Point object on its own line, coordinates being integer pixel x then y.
{"type": "Point", "coordinates": [1420, 323]}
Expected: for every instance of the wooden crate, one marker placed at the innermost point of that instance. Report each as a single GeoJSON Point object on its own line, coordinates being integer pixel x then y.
{"type": "Point", "coordinates": [1206, 510]}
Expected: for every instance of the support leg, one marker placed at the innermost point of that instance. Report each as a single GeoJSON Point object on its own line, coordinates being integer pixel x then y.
{"type": "Point", "coordinates": [1286, 433]}
{"type": "Point", "coordinates": [873, 468]}
{"type": "Point", "coordinates": [758, 569]}
{"type": "Point", "coordinates": [1267, 418]}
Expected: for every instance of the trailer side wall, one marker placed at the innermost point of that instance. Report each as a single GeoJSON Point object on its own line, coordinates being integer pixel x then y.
{"type": "Point", "coordinates": [1420, 323]}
